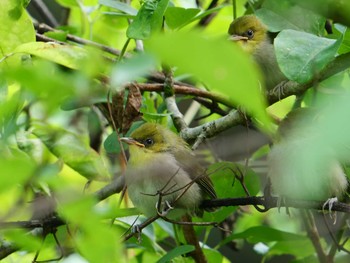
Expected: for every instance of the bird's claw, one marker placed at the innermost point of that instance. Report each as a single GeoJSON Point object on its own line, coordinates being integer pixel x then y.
{"type": "Point", "coordinates": [330, 202]}
{"type": "Point", "coordinates": [279, 89]}
{"type": "Point", "coordinates": [166, 209]}
{"type": "Point", "coordinates": [281, 200]}
{"type": "Point", "coordinates": [136, 230]}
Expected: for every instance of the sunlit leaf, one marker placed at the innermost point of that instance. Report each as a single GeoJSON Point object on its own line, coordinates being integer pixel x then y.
{"type": "Point", "coordinates": [106, 243]}
{"type": "Point", "coordinates": [73, 150]}
{"type": "Point", "coordinates": [177, 16]}
{"type": "Point", "coordinates": [22, 239]}
{"type": "Point", "coordinates": [16, 169]}
{"type": "Point", "coordinates": [16, 26]}
{"type": "Point", "coordinates": [148, 20]}
{"type": "Point", "coordinates": [66, 55]}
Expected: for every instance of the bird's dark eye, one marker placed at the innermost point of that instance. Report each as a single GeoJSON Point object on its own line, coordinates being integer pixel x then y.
{"type": "Point", "coordinates": [250, 33]}
{"type": "Point", "coordinates": [148, 142]}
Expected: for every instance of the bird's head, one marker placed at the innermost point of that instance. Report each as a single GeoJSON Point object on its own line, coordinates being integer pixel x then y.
{"type": "Point", "coordinates": [249, 31]}
{"type": "Point", "coordinates": [150, 139]}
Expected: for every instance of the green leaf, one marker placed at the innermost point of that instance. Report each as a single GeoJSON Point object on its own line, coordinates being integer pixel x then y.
{"type": "Point", "coordinates": [131, 69]}
{"type": "Point", "coordinates": [16, 168]}
{"type": "Point", "coordinates": [45, 81]}
{"type": "Point", "coordinates": [58, 35]}
{"type": "Point", "coordinates": [222, 66]}
{"type": "Point", "coordinates": [10, 109]}
{"type": "Point", "coordinates": [94, 234]}
{"type": "Point", "coordinates": [297, 248]}
{"type": "Point", "coordinates": [23, 240]}
{"type": "Point", "coordinates": [73, 150]}
{"type": "Point", "coordinates": [223, 175]}
{"type": "Point", "coordinates": [279, 15]}
{"type": "Point", "coordinates": [345, 46]}
{"type": "Point", "coordinates": [66, 55]}
{"type": "Point", "coordinates": [148, 20]}
{"type": "Point", "coordinates": [176, 17]}
{"type": "Point", "coordinates": [16, 26]}
{"type": "Point", "coordinates": [111, 144]}
{"type": "Point", "coordinates": [301, 55]}
{"type": "Point", "coordinates": [119, 6]}
{"type": "Point", "coordinates": [178, 251]}
{"type": "Point", "coordinates": [266, 234]}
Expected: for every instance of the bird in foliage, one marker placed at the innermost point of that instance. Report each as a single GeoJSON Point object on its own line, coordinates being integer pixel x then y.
{"type": "Point", "coordinates": [253, 36]}
{"type": "Point", "coordinates": [163, 175]}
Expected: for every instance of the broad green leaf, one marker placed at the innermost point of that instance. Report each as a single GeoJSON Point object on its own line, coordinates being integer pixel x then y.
{"type": "Point", "coordinates": [176, 17]}
{"type": "Point", "coordinates": [301, 55]}
{"type": "Point", "coordinates": [178, 251]}
{"type": "Point", "coordinates": [148, 20]}
{"type": "Point", "coordinates": [224, 176]}
{"type": "Point", "coordinates": [21, 239]}
{"type": "Point", "coordinates": [10, 109]}
{"type": "Point", "coordinates": [73, 150]}
{"type": "Point", "coordinates": [66, 55]}
{"type": "Point", "coordinates": [214, 255]}
{"type": "Point", "coordinates": [298, 248]}
{"type": "Point", "coordinates": [345, 45]}
{"type": "Point", "coordinates": [94, 233]}
{"type": "Point", "coordinates": [132, 69]}
{"type": "Point", "coordinates": [222, 66]}
{"type": "Point", "coordinates": [119, 6]}
{"type": "Point", "coordinates": [279, 15]}
{"type": "Point", "coordinates": [111, 144]}
{"type": "Point", "coordinates": [58, 35]}
{"type": "Point", "coordinates": [16, 168]}
{"type": "Point", "coordinates": [45, 81]}
{"type": "Point", "coordinates": [16, 26]}
{"type": "Point", "coordinates": [266, 234]}
{"type": "Point", "coordinates": [336, 10]}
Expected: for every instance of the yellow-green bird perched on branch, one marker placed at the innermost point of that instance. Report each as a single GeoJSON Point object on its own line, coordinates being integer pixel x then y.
{"type": "Point", "coordinates": [163, 174]}
{"type": "Point", "coordinates": [253, 36]}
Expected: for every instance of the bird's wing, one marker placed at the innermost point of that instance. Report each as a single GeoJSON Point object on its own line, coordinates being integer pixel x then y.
{"type": "Point", "coordinates": [191, 165]}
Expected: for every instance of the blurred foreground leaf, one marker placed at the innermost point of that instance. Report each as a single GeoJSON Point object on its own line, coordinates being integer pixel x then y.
{"type": "Point", "coordinates": [218, 63]}
{"type": "Point", "coordinates": [73, 150]}
{"type": "Point", "coordinates": [66, 55]}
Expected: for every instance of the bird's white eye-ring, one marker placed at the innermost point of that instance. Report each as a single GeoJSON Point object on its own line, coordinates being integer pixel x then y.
{"type": "Point", "coordinates": [250, 33]}
{"type": "Point", "coordinates": [148, 142]}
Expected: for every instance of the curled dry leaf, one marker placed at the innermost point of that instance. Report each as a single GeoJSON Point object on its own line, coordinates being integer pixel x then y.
{"type": "Point", "coordinates": [132, 107]}
{"type": "Point", "coordinates": [118, 108]}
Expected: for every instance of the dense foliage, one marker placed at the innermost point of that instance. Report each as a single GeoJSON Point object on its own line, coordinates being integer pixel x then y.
{"type": "Point", "coordinates": [76, 74]}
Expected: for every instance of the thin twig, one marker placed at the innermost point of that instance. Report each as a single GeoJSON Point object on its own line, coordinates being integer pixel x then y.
{"type": "Point", "coordinates": [42, 28]}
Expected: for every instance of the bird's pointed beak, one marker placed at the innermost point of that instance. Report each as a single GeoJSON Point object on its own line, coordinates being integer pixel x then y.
{"type": "Point", "coordinates": [237, 38]}
{"type": "Point", "coordinates": [131, 141]}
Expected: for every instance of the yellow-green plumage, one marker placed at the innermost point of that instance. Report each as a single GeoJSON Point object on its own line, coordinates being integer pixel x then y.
{"type": "Point", "coordinates": [161, 161]}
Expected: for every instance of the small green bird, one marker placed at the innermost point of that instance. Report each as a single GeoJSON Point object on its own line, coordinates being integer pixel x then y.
{"type": "Point", "coordinates": [162, 164]}
{"type": "Point", "coordinates": [296, 171]}
{"type": "Point", "coordinates": [253, 36]}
